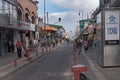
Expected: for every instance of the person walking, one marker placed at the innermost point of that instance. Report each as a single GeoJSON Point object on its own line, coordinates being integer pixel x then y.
{"type": "Point", "coordinates": [79, 45]}
{"type": "Point", "coordinates": [9, 46]}
{"type": "Point", "coordinates": [19, 49]}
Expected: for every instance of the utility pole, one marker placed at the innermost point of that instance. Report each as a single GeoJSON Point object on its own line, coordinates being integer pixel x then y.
{"type": "Point", "coordinates": [47, 18]}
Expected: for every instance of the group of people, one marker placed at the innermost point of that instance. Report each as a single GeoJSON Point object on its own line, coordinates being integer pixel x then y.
{"type": "Point", "coordinates": [83, 44]}
{"type": "Point", "coordinates": [11, 48]}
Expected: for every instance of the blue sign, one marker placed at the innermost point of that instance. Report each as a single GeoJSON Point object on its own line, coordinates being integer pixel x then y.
{"type": "Point", "coordinates": [112, 19]}
{"type": "Point", "coordinates": [112, 31]}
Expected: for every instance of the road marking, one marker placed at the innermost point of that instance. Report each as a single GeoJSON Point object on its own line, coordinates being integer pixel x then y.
{"type": "Point", "coordinates": [96, 71]}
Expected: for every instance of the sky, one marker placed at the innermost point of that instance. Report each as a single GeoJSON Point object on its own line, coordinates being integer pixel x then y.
{"type": "Point", "coordinates": [68, 11]}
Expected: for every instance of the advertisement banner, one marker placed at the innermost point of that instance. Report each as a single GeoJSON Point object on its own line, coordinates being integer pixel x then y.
{"type": "Point", "coordinates": [112, 27]}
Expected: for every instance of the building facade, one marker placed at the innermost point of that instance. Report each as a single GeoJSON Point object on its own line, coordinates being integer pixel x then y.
{"type": "Point", "coordinates": [8, 24]}
{"type": "Point", "coordinates": [27, 20]}
{"type": "Point", "coordinates": [18, 19]}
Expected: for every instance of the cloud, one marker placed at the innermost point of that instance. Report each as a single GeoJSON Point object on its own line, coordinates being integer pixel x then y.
{"type": "Point", "coordinates": [76, 4]}
{"type": "Point", "coordinates": [69, 20]}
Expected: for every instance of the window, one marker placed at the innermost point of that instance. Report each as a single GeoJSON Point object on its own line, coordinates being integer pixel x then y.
{"type": "Point", "coordinates": [19, 14]}
{"type": "Point", "coordinates": [3, 6]}
{"type": "Point", "coordinates": [14, 12]}
{"type": "Point", "coordinates": [6, 8]}
{"type": "Point", "coordinates": [33, 19]}
{"type": "Point", "coordinates": [26, 17]}
{"type": "Point", "coordinates": [10, 9]}
{"type": "Point", "coordinates": [0, 6]}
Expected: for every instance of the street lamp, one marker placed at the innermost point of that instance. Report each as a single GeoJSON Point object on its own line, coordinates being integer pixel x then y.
{"type": "Point", "coordinates": [81, 12]}
{"type": "Point", "coordinates": [44, 14]}
{"type": "Point", "coordinates": [81, 22]}
{"type": "Point", "coordinates": [45, 35]}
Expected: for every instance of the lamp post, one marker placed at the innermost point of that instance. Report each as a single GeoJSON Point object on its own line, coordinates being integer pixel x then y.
{"type": "Point", "coordinates": [45, 35]}
{"type": "Point", "coordinates": [44, 15]}
{"type": "Point", "coordinates": [81, 23]}
{"type": "Point", "coordinates": [81, 12]}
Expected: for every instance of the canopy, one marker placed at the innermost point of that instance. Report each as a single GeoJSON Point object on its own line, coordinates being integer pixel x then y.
{"type": "Point", "coordinates": [49, 28]}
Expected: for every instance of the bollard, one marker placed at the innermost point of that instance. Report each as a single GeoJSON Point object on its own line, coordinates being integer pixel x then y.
{"type": "Point", "coordinates": [15, 62]}
{"type": "Point", "coordinates": [42, 50]}
{"type": "Point", "coordinates": [28, 53]}
{"type": "Point", "coordinates": [36, 52]}
{"type": "Point", "coordinates": [49, 49]}
{"type": "Point", "coordinates": [46, 49]}
{"type": "Point", "coordinates": [74, 53]}
{"type": "Point", "coordinates": [74, 58]}
{"type": "Point", "coordinates": [77, 69]}
{"type": "Point", "coordinates": [74, 46]}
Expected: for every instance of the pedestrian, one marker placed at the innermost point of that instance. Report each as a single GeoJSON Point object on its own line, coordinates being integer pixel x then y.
{"type": "Point", "coordinates": [12, 47]}
{"type": "Point", "coordinates": [19, 49]}
{"type": "Point", "coordinates": [85, 45]}
{"type": "Point", "coordinates": [79, 45]}
{"type": "Point", "coordinates": [9, 46]}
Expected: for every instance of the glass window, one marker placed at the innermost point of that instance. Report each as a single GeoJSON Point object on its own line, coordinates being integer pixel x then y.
{"type": "Point", "coordinates": [6, 8]}
{"type": "Point", "coordinates": [0, 6]}
{"type": "Point", "coordinates": [3, 6]}
{"type": "Point", "coordinates": [14, 12]}
{"type": "Point", "coordinates": [10, 9]}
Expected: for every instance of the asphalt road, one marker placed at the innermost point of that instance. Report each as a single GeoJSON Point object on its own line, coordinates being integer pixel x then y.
{"type": "Point", "coordinates": [56, 65]}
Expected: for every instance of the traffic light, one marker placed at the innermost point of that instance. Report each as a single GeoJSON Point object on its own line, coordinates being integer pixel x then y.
{"type": "Point", "coordinates": [59, 19]}
{"type": "Point", "coordinates": [94, 31]}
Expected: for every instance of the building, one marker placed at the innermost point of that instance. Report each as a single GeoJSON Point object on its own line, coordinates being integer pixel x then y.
{"type": "Point", "coordinates": [18, 19]}
{"type": "Point", "coordinates": [107, 33]}
{"type": "Point", "coordinates": [27, 20]}
{"type": "Point", "coordinates": [8, 24]}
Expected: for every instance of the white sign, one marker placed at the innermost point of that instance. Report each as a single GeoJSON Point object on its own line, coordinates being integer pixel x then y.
{"type": "Point", "coordinates": [32, 27]}
{"type": "Point", "coordinates": [112, 25]}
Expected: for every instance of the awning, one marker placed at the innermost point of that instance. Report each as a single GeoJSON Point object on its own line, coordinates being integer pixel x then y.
{"type": "Point", "coordinates": [49, 28]}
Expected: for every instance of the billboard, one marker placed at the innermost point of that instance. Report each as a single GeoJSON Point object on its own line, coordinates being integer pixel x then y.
{"type": "Point", "coordinates": [112, 27]}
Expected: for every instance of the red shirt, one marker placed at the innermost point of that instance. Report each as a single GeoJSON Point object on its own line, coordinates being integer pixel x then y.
{"type": "Point", "coordinates": [19, 45]}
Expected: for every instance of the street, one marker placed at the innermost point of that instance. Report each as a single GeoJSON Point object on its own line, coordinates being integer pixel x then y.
{"type": "Point", "coordinates": [56, 65]}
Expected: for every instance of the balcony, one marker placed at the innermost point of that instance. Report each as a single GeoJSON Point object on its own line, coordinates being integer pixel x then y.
{"type": "Point", "coordinates": [25, 26]}
{"type": "Point", "coordinates": [8, 21]}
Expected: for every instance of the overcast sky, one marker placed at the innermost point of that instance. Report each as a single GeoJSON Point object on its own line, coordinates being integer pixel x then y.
{"type": "Point", "coordinates": [67, 10]}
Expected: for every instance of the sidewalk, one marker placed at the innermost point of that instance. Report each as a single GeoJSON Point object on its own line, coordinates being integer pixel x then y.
{"type": "Point", "coordinates": [108, 73]}
{"type": "Point", "coordinates": [7, 61]}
